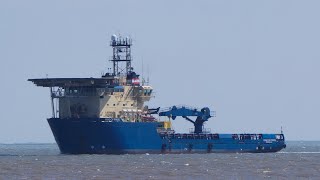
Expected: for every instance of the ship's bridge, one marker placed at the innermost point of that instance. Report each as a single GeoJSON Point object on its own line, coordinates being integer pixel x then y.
{"type": "Point", "coordinates": [147, 90]}
{"type": "Point", "coordinates": [106, 97]}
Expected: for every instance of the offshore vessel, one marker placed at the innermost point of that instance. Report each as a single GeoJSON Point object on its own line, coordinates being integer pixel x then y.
{"type": "Point", "coordinates": [108, 115]}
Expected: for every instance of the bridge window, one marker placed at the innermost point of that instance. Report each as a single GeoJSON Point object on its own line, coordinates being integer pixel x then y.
{"type": "Point", "coordinates": [83, 91]}
{"type": "Point", "coordinates": [147, 92]}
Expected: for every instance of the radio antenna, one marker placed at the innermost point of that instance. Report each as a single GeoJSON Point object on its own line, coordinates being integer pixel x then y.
{"type": "Point", "coordinates": [143, 81]}
{"type": "Point", "coordinates": [148, 75]}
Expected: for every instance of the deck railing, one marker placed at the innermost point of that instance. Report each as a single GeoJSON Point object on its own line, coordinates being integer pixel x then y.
{"type": "Point", "coordinates": [240, 137]}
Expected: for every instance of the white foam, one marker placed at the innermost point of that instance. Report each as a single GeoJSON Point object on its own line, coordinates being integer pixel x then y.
{"type": "Point", "coordinates": [303, 152]}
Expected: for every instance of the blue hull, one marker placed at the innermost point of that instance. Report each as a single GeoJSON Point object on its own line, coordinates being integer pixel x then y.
{"type": "Point", "coordinates": [97, 136]}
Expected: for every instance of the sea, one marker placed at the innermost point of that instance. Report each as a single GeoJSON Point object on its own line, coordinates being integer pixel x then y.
{"type": "Point", "coordinates": [300, 160]}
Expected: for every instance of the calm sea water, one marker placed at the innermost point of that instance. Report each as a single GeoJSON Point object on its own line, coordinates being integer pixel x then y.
{"type": "Point", "coordinates": [300, 160]}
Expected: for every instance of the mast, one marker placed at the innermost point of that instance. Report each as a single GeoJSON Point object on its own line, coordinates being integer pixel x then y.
{"type": "Point", "coordinates": [121, 53]}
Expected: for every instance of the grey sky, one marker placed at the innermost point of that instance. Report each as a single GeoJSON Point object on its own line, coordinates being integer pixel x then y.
{"type": "Point", "coordinates": [255, 62]}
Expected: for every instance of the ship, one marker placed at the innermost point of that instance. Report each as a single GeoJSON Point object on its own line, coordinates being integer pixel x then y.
{"type": "Point", "coordinates": [109, 115]}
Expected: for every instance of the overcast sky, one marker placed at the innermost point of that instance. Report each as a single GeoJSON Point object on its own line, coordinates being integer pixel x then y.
{"type": "Point", "coordinates": [257, 63]}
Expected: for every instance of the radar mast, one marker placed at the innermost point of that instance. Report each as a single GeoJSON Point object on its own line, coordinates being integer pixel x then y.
{"type": "Point", "coordinates": [121, 53]}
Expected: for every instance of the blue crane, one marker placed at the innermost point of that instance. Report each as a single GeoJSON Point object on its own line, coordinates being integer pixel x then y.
{"type": "Point", "coordinates": [202, 115]}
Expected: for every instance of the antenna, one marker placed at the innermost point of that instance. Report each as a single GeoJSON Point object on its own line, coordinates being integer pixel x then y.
{"type": "Point", "coordinates": [148, 74]}
{"type": "Point", "coordinates": [143, 81]}
{"type": "Point", "coordinates": [121, 53]}
{"type": "Point", "coordinates": [281, 130]}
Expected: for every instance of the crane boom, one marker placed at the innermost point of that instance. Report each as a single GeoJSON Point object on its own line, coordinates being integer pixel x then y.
{"type": "Point", "coordinates": [202, 115]}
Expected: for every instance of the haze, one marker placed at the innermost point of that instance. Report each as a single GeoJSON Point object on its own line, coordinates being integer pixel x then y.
{"type": "Point", "coordinates": [254, 62]}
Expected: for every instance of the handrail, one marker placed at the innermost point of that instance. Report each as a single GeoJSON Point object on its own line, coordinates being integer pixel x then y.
{"type": "Point", "coordinates": [240, 137]}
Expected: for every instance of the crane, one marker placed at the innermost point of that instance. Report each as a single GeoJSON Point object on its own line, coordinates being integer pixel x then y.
{"type": "Point", "coordinates": [183, 111]}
